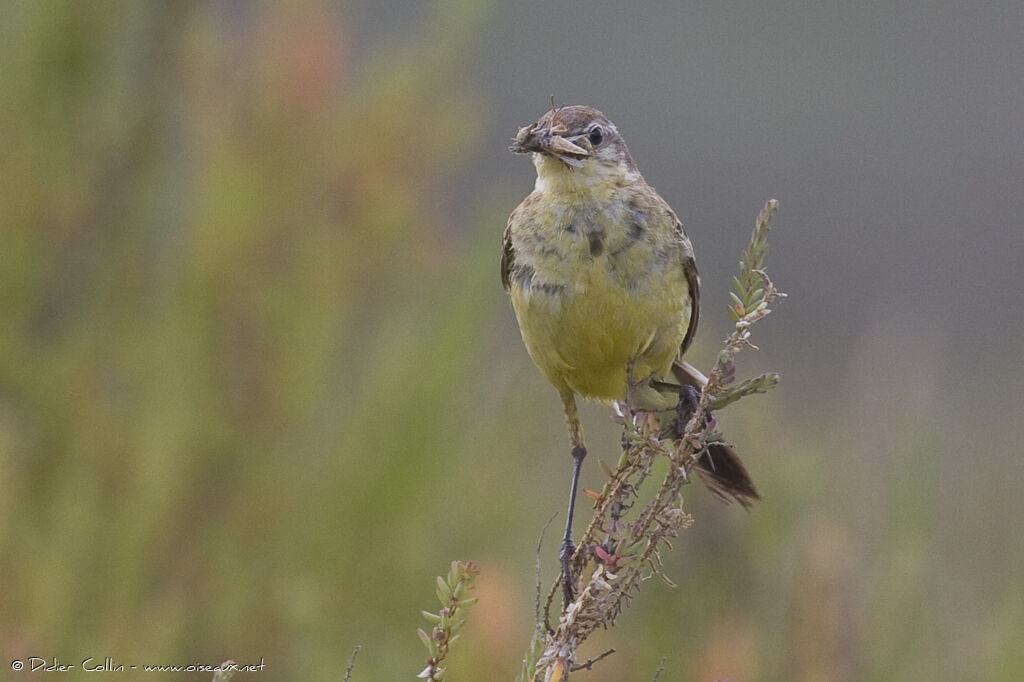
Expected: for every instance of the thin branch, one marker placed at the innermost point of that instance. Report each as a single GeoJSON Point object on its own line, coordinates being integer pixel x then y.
{"type": "Point", "coordinates": [351, 663]}
{"type": "Point", "coordinates": [590, 661]}
{"type": "Point", "coordinates": [659, 671]}
{"type": "Point", "coordinates": [540, 626]}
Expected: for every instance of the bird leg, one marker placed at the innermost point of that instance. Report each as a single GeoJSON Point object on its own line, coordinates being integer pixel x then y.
{"type": "Point", "coordinates": [578, 453]}
{"type": "Point", "coordinates": [689, 401]}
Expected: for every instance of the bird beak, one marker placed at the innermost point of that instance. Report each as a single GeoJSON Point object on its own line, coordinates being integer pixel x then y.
{"type": "Point", "coordinates": [545, 141]}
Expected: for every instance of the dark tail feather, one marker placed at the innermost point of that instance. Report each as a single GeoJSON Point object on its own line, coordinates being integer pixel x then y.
{"type": "Point", "coordinates": [719, 467]}
{"type": "Point", "coordinates": [724, 474]}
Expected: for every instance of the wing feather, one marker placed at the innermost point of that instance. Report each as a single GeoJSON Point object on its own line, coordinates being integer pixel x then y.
{"type": "Point", "coordinates": [508, 255]}
{"type": "Point", "coordinates": [689, 266]}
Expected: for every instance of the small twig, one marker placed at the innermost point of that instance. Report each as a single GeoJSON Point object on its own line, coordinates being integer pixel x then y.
{"type": "Point", "coordinates": [351, 663]}
{"type": "Point", "coordinates": [539, 626]}
{"type": "Point", "coordinates": [659, 671]}
{"type": "Point", "coordinates": [586, 666]}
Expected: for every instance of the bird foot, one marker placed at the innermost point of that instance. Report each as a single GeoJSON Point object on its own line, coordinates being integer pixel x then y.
{"type": "Point", "coordinates": [568, 589]}
{"type": "Point", "coordinates": [689, 401]}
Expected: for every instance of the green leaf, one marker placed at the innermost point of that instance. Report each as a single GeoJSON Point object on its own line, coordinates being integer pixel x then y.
{"type": "Point", "coordinates": [444, 593]}
{"type": "Point", "coordinates": [759, 384]}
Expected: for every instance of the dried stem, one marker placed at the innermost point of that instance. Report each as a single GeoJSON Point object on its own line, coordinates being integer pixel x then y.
{"type": "Point", "coordinates": [351, 663]}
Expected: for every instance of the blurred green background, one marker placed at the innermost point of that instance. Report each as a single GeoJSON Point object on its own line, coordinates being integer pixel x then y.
{"type": "Point", "coordinates": [259, 382]}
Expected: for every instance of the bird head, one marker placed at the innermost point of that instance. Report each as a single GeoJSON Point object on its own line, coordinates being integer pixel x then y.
{"type": "Point", "coordinates": [574, 139]}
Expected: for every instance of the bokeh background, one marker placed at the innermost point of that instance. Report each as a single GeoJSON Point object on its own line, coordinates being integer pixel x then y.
{"type": "Point", "coordinates": [259, 382]}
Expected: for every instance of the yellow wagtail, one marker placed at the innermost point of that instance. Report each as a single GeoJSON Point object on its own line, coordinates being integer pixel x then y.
{"type": "Point", "coordinates": [605, 287]}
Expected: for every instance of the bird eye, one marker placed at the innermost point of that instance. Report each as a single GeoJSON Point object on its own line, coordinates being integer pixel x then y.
{"type": "Point", "coordinates": [596, 136]}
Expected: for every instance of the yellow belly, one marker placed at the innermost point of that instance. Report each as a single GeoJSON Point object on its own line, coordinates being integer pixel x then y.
{"type": "Point", "coordinates": [583, 337]}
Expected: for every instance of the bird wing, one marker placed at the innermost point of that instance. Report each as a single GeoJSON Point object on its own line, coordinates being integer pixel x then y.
{"type": "Point", "coordinates": [508, 256]}
{"type": "Point", "coordinates": [689, 266]}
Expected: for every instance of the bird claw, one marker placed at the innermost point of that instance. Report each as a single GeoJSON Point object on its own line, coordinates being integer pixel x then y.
{"type": "Point", "coordinates": [568, 549]}
{"type": "Point", "coordinates": [689, 401]}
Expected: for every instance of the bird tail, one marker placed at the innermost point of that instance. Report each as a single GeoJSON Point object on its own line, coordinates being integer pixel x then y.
{"type": "Point", "coordinates": [724, 474]}
{"type": "Point", "coordinates": [719, 466]}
